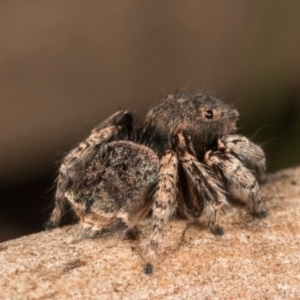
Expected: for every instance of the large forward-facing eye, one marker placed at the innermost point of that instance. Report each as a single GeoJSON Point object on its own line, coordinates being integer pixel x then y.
{"type": "Point", "coordinates": [209, 114]}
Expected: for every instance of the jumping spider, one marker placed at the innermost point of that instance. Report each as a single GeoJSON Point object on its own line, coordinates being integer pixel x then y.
{"type": "Point", "coordinates": [185, 157]}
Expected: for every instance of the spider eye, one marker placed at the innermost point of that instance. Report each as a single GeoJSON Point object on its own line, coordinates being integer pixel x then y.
{"type": "Point", "coordinates": [209, 114]}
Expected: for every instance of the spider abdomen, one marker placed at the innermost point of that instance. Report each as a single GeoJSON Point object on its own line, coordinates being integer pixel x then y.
{"type": "Point", "coordinates": [116, 184]}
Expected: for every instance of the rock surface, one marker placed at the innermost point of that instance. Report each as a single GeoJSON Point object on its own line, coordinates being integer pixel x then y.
{"type": "Point", "coordinates": [254, 259]}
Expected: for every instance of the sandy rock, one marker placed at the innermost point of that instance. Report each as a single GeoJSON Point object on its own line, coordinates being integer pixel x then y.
{"type": "Point", "coordinates": [254, 259]}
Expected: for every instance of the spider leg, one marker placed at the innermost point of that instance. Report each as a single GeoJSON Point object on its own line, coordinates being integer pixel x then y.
{"type": "Point", "coordinates": [163, 206]}
{"type": "Point", "coordinates": [250, 154]}
{"type": "Point", "coordinates": [80, 157]}
{"type": "Point", "coordinates": [190, 205]}
{"type": "Point", "coordinates": [239, 181]}
{"type": "Point", "coordinates": [210, 190]}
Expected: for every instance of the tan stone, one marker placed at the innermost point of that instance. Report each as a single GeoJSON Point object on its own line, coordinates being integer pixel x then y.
{"type": "Point", "coordinates": [254, 259]}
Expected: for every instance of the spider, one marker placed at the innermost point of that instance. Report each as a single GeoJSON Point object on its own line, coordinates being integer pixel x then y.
{"type": "Point", "coordinates": [185, 157]}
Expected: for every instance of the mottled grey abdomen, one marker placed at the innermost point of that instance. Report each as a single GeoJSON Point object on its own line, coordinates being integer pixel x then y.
{"type": "Point", "coordinates": [118, 179]}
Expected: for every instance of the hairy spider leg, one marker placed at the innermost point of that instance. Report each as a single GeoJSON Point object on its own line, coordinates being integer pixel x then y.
{"type": "Point", "coordinates": [239, 181]}
{"type": "Point", "coordinates": [210, 190]}
{"type": "Point", "coordinates": [163, 206]}
{"type": "Point", "coordinates": [80, 157]}
{"type": "Point", "coordinates": [250, 154]}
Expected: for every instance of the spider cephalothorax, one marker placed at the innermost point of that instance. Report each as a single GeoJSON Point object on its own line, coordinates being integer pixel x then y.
{"type": "Point", "coordinates": [202, 117]}
{"type": "Point", "coordinates": [184, 157]}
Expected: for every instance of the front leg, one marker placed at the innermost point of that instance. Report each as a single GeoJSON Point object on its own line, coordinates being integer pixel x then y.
{"type": "Point", "coordinates": [239, 181]}
{"type": "Point", "coordinates": [81, 156]}
{"type": "Point", "coordinates": [163, 206]}
{"type": "Point", "coordinates": [210, 191]}
{"type": "Point", "coordinates": [250, 154]}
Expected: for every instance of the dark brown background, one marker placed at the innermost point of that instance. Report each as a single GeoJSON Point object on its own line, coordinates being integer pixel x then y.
{"type": "Point", "coordinates": [66, 65]}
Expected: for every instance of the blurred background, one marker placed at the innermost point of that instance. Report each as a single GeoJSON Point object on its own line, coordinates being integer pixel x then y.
{"type": "Point", "coordinates": [67, 65]}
